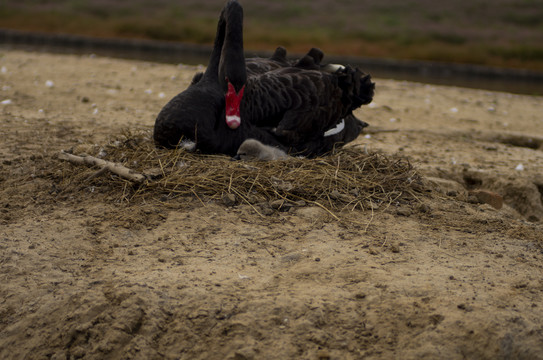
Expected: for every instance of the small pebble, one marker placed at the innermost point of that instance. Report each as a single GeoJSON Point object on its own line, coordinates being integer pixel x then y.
{"type": "Point", "coordinates": [49, 83]}
{"type": "Point", "coordinates": [465, 307]}
{"type": "Point", "coordinates": [488, 197]}
{"type": "Point", "coordinates": [266, 210]}
{"type": "Point", "coordinates": [403, 212]}
{"type": "Point", "coordinates": [229, 199]}
{"type": "Point", "coordinates": [424, 208]}
{"type": "Point", "coordinates": [360, 296]}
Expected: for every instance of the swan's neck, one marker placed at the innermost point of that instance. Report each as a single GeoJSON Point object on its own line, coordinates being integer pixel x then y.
{"type": "Point", "coordinates": [227, 63]}
{"type": "Point", "coordinates": [232, 69]}
{"type": "Point", "coordinates": [232, 63]}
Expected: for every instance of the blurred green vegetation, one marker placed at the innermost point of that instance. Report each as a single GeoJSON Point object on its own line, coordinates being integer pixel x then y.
{"type": "Point", "coordinates": [506, 33]}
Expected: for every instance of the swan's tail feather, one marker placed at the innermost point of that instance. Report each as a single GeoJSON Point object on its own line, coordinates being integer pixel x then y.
{"type": "Point", "coordinates": [310, 61]}
{"type": "Point", "coordinates": [357, 87]}
{"type": "Point", "coordinates": [280, 55]}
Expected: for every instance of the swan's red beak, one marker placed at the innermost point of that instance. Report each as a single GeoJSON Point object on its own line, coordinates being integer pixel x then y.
{"type": "Point", "coordinates": [233, 102]}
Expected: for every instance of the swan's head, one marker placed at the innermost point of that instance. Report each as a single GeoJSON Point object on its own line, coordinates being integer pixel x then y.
{"type": "Point", "coordinates": [233, 103]}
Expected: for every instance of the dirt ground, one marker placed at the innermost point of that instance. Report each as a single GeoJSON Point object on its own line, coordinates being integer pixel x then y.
{"type": "Point", "coordinates": [84, 274]}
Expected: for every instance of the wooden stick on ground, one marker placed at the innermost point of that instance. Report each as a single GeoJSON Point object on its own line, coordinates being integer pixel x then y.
{"type": "Point", "coordinates": [104, 165]}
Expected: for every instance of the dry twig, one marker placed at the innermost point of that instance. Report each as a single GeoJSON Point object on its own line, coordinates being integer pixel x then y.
{"type": "Point", "coordinates": [104, 165]}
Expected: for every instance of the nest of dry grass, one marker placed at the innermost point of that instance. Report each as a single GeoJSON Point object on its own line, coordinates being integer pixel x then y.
{"type": "Point", "coordinates": [347, 179]}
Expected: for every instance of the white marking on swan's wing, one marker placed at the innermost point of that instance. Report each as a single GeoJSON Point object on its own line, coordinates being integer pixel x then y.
{"type": "Point", "coordinates": [336, 129]}
{"type": "Point", "coordinates": [332, 68]}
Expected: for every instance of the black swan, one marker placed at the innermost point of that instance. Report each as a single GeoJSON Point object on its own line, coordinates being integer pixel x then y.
{"type": "Point", "coordinates": [301, 107]}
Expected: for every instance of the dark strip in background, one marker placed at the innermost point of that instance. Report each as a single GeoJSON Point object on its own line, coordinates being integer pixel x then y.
{"type": "Point", "coordinates": [464, 75]}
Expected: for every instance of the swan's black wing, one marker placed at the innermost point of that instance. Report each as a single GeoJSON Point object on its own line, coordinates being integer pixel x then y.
{"type": "Point", "coordinates": [302, 105]}
{"type": "Point", "coordinates": [258, 66]}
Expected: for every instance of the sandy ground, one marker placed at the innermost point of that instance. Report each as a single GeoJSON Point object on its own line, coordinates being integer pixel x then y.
{"type": "Point", "coordinates": [84, 275]}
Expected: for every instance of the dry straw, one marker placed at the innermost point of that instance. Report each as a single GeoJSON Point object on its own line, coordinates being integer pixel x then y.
{"type": "Point", "coordinates": [349, 178]}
